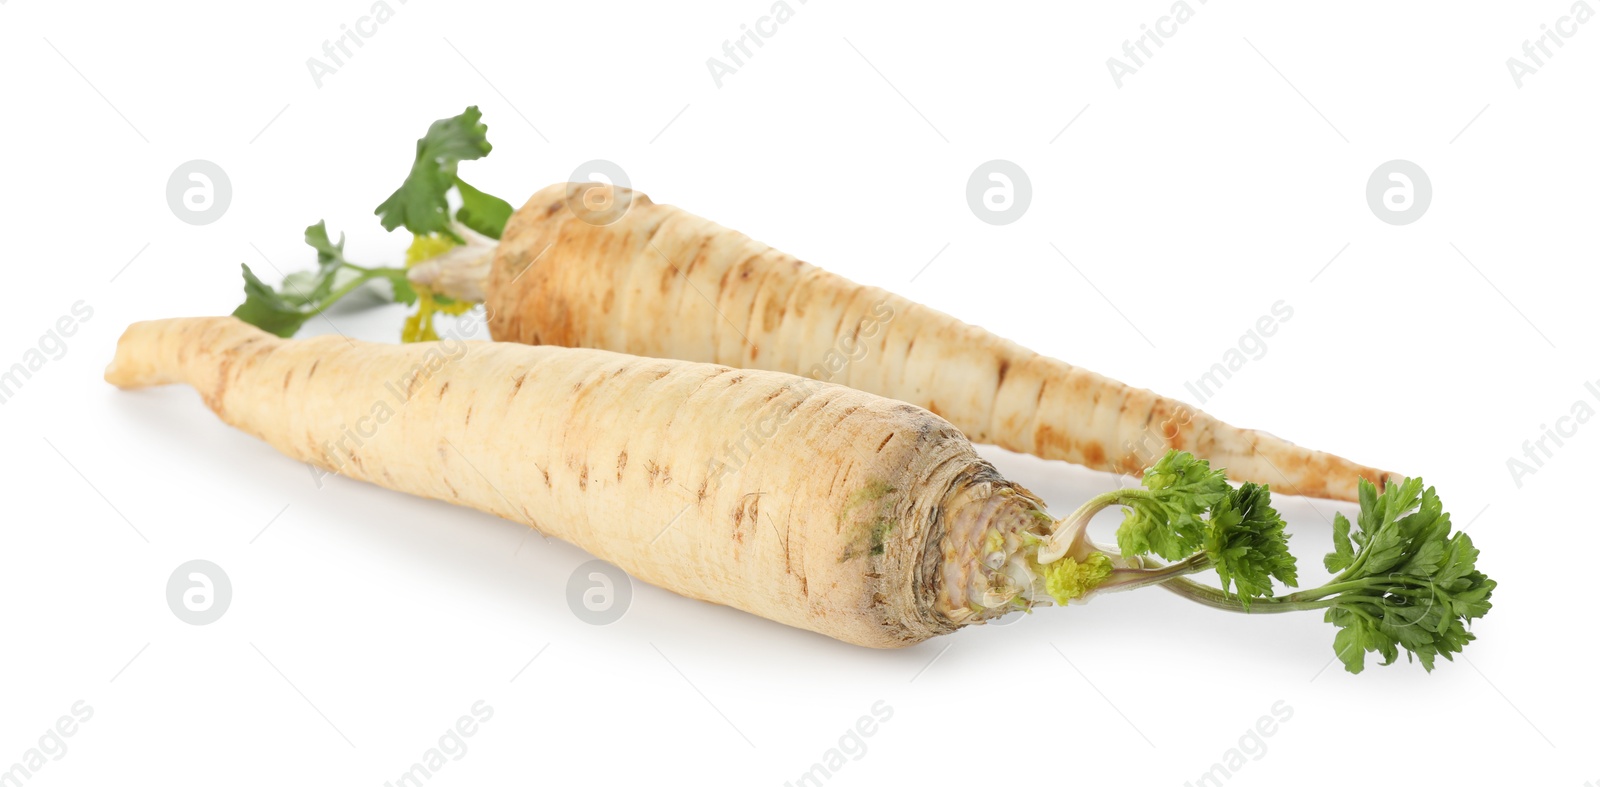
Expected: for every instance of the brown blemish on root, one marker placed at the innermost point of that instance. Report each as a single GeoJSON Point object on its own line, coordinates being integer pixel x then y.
{"type": "Point", "coordinates": [1094, 454]}
{"type": "Point", "coordinates": [748, 509]}
{"type": "Point", "coordinates": [1133, 465]}
{"type": "Point", "coordinates": [668, 276]}
{"type": "Point", "coordinates": [788, 566]}
{"type": "Point", "coordinates": [848, 411]}
{"type": "Point", "coordinates": [699, 254]}
{"type": "Point", "coordinates": [622, 464]}
{"type": "Point", "coordinates": [1047, 437]}
{"type": "Point", "coordinates": [771, 315]}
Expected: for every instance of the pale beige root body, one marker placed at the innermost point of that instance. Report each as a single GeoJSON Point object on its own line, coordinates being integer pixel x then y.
{"type": "Point", "coordinates": [662, 282]}
{"type": "Point", "coordinates": [814, 505]}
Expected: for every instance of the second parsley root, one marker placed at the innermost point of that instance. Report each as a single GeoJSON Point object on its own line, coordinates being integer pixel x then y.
{"type": "Point", "coordinates": [649, 279]}
{"type": "Point", "coordinates": [661, 281]}
{"type": "Point", "coordinates": [856, 516]}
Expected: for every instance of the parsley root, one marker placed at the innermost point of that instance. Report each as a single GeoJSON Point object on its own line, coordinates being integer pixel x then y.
{"type": "Point", "coordinates": [808, 503]}
{"type": "Point", "coordinates": [647, 279]}
{"type": "Point", "coordinates": [662, 282]}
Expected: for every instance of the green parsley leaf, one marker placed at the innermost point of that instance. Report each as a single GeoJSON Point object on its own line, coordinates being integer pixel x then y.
{"type": "Point", "coordinates": [306, 287]}
{"type": "Point", "coordinates": [1247, 545]}
{"type": "Point", "coordinates": [1167, 521]}
{"type": "Point", "coordinates": [1403, 581]}
{"type": "Point", "coordinates": [266, 309]}
{"type": "Point", "coordinates": [1343, 552]}
{"type": "Point", "coordinates": [483, 213]}
{"type": "Point", "coordinates": [420, 204]}
{"type": "Point", "coordinates": [305, 293]}
{"type": "Point", "coordinates": [327, 251]}
{"type": "Point", "coordinates": [334, 272]}
{"type": "Point", "coordinates": [1409, 583]}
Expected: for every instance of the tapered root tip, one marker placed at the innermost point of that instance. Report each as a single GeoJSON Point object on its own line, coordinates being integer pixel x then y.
{"type": "Point", "coordinates": [1267, 459]}
{"type": "Point", "coordinates": [133, 365]}
{"type": "Point", "coordinates": [1386, 478]}
{"type": "Point", "coordinates": [153, 352]}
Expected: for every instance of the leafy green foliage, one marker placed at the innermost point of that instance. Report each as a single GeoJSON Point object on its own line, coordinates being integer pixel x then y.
{"type": "Point", "coordinates": [483, 213]}
{"type": "Point", "coordinates": [1168, 519]}
{"type": "Point", "coordinates": [420, 204]}
{"type": "Point", "coordinates": [1247, 545]}
{"type": "Point", "coordinates": [1402, 579]}
{"type": "Point", "coordinates": [303, 287]}
{"type": "Point", "coordinates": [1405, 582]}
{"type": "Point", "coordinates": [268, 309]}
{"type": "Point", "coordinates": [284, 310]}
{"type": "Point", "coordinates": [303, 294]}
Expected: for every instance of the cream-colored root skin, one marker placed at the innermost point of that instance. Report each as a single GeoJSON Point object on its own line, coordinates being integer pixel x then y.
{"type": "Point", "coordinates": [826, 511]}
{"type": "Point", "coordinates": [662, 282]}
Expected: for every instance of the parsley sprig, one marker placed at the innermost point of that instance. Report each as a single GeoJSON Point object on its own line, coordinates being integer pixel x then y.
{"type": "Point", "coordinates": [422, 204]}
{"type": "Point", "coordinates": [304, 294]}
{"type": "Point", "coordinates": [1403, 579]}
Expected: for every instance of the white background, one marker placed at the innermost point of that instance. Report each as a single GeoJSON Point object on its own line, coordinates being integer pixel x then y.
{"type": "Point", "coordinates": [1223, 176]}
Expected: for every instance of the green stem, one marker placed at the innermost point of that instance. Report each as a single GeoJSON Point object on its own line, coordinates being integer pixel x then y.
{"type": "Point", "coordinates": [368, 274]}
{"type": "Point", "coordinates": [1401, 586]}
{"type": "Point", "coordinates": [1355, 567]}
{"type": "Point", "coordinates": [1215, 598]}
